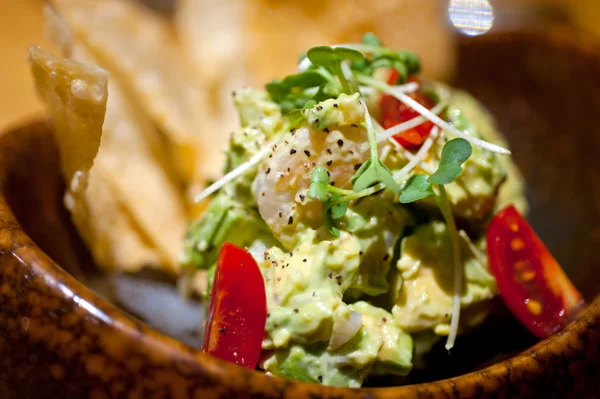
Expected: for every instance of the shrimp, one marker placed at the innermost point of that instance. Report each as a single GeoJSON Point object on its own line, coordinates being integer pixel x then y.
{"type": "Point", "coordinates": [283, 178]}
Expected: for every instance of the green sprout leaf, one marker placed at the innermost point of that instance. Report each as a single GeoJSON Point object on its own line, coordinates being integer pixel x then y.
{"type": "Point", "coordinates": [319, 175]}
{"type": "Point", "coordinates": [327, 56]}
{"type": "Point", "coordinates": [417, 187]}
{"type": "Point", "coordinates": [309, 78]}
{"type": "Point", "coordinates": [277, 90]}
{"type": "Point", "coordinates": [321, 190]}
{"type": "Point", "coordinates": [370, 39]}
{"type": "Point", "coordinates": [330, 224]}
{"type": "Point", "coordinates": [331, 59]}
{"type": "Point", "coordinates": [371, 173]}
{"type": "Point", "coordinates": [411, 60]}
{"type": "Point", "coordinates": [339, 210]}
{"type": "Point", "coordinates": [454, 154]}
{"type": "Point", "coordinates": [318, 191]}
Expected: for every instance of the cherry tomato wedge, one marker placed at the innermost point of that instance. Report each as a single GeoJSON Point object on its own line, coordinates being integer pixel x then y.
{"type": "Point", "coordinates": [394, 112]}
{"type": "Point", "coordinates": [530, 280]}
{"type": "Point", "coordinates": [238, 309]}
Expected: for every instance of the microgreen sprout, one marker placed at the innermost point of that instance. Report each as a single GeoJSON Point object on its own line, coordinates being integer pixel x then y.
{"type": "Point", "coordinates": [321, 190]}
{"type": "Point", "coordinates": [418, 187]}
{"type": "Point", "coordinates": [373, 171]}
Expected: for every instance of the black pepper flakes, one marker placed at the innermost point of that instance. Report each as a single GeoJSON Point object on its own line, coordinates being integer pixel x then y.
{"type": "Point", "coordinates": [317, 120]}
{"type": "Point", "coordinates": [330, 274]}
{"type": "Point", "coordinates": [320, 378]}
{"type": "Point", "coordinates": [296, 310]}
{"type": "Point", "coordinates": [386, 257]}
{"type": "Point", "coordinates": [340, 142]}
{"type": "Point", "coordinates": [329, 163]}
{"type": "Point", "coordinates": [304, 260]}
{"type": "Point", "coordinates": [280, 214]}
{"type": "Point", "coordinates": [328, 150]}
{"type": "Point", "coordinates": [384, 319]}
{"type": "Point", "coordinates": [360, 253]}
{"type": "Point", "coordinates": [357, 166]}
{"type": "Point", "coordinates": [326, 130]}
{"type": "Point", "coordinates": [222, 330]}
{"type": "Point", "coordinates": [338, 277]}
{"type": "Point", "coordinates": [354, 125]}
{"type": "Point", "coordinates": [292, 151]}
{"type": "Point", "coordinates": [290, 220]}
{"type": "Point", "coordinates": [301, 197]}
{"type": "Point", "coordinates": [335, 105]}
{"type": "Point", "coordinates": [267, 171]}
{"type": "Point", "coordinates": [307, 153]}
{"type": "Point", "coordinates": [268, 315]}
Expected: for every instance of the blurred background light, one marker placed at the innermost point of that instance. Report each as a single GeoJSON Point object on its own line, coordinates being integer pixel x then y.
{"type": "Point", "coordinates": [471, 17]}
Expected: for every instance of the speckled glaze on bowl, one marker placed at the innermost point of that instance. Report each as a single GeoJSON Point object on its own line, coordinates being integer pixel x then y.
{"type": "Point", "coordinates": [59, 339]}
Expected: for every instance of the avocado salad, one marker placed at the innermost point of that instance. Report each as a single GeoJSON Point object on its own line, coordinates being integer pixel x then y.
{"type": "Point", "coordinates": [354, 208]}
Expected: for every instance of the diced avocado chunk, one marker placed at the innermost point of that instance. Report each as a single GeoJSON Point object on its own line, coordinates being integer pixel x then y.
{"type": "Point", "coordinates": [345, 110]}
{"type": "Point", "coordinates": [261, 119]}
{"type": "Point", "coordinates": [225, 220]}
{"type": "Point", "coordinates": [305, 287]}
{"type": "Point", "coordinates": [395, 355]}
{"type": "Point", "coordinates": [346, 366]}
{"type": "Point", "coordinates": [424, 298]}
{"type": "Point", "coordinates": [512, 191]}
{"type": "Point", "coordinates": [378, 223]}
{"type": "Point", "coordinates": [255, 107]}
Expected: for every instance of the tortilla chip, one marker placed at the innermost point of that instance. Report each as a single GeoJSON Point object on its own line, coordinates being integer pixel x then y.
{"type": "Point", "coordinates": [139, 50]}
{"type": "Point", "coordinates": [83, 89]}
{"type": "Point", "coordinates": [133, 206]}
{"type": "Point", "coordinates": [76, 96]}
{"type": "Point", "coordinates": [118, 244]}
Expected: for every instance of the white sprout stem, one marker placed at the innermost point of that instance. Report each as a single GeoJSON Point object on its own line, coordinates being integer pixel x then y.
{"type": "Point", "coordinates": [237, 172]}
{"type": "Point", "coordinates": [409, 124]}
{"type": "Point", "coordinates": [430, 115]}
{"type": "Point", "coordinates": [444, 204]}
{"type": "Point", "coordinates": [409, 87]}
{"type": "Point", "coordinates": [370, 131]}
{"type": "Point", "coordinates": [419, 156]}
{"type": "Point", "coordinates": [407, 154]}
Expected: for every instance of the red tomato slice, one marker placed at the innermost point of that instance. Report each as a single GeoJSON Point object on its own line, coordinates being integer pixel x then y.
{"type": "Point", "coordinates": [529, 279]}
{"type": "Point", "coordinates": [238, 309]}
{"type": "Point", "coordinates": [394, 112]}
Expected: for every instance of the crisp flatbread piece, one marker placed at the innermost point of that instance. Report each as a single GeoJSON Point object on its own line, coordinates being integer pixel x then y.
{"type": "Point", "coordinates": [76, 96]}
{"type": "Point", "coordinates": [140, 51]}
{"type": "Point", "coordinates": [140, 200]}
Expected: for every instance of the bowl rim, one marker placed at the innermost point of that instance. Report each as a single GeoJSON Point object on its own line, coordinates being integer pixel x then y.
{"type": "Point", "coordinates": [566, 343]}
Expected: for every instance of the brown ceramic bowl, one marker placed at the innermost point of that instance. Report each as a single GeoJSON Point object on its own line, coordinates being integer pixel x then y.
{"type": "Point", "coordinates": [60, 339]}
